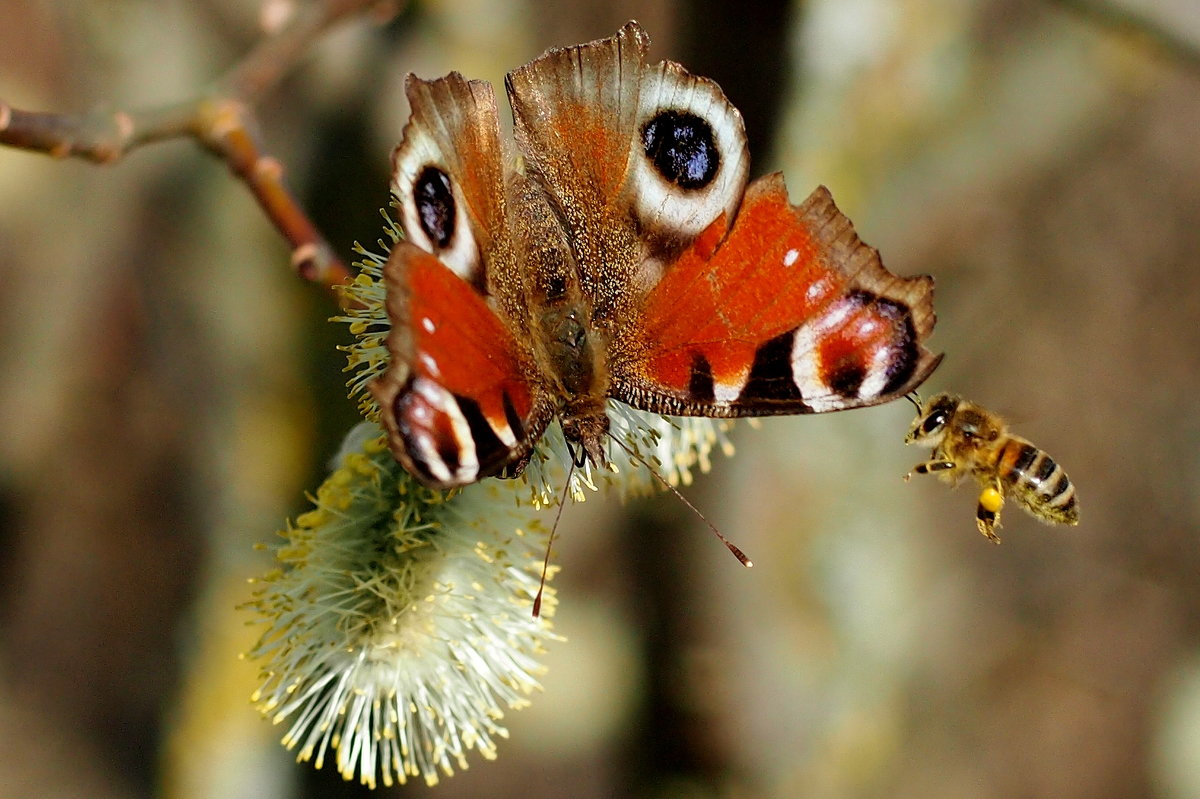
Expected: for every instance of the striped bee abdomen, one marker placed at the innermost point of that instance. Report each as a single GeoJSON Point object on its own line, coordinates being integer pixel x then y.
{"type": "Point", "coordinates": [1037, 482]}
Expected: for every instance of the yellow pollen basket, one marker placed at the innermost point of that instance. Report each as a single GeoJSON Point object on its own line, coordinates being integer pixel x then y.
{"type": "Point", "coordinates": [991, 500]}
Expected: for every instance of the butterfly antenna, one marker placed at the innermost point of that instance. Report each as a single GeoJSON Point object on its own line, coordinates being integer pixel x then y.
{"type": "Point", "coordinates": [537, 600]}
{"type": "Point", "coordinates": [732, 547]}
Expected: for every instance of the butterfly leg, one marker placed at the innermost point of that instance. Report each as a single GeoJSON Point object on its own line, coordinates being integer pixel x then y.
{"type": "Point", "coordinates": [579, 456]}
{"type": "Point", "coordinates": [515, 468]}
{"type": "Point", "coordinates": [987, 515]}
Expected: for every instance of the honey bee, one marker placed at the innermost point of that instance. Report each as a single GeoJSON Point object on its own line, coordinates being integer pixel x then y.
{"type": "Point", "coordinates": [969, 439]}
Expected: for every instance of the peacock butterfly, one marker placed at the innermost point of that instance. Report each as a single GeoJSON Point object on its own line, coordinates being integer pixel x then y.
{"type": "Point", "coordinates": [620, 254]}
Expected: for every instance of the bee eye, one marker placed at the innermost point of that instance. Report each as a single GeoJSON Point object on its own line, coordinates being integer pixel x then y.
{"type": "Point", "coordinates": [934, 422]}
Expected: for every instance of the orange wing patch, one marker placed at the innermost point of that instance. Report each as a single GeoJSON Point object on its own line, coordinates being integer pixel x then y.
{"type": "Point", "coordinates": [460, 343]}
{"type": "Point", "coordinates": [456, 401]}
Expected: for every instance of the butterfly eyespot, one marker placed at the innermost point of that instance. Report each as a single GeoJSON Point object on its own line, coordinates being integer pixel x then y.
{"type": "Point", "coordinates": [682, 148]}
{"type": "Point", "coordinates": [847, 380]}
{"type": "Point", "coordinates": [435, 205]}
{"type": "Point", "coordinates": [692, 163]}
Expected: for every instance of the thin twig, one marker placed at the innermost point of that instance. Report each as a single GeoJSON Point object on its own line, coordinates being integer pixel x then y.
{"type": "Point", "coordinates": [273, 57]}
{"type": "Point", "coordinates": [221, 120]}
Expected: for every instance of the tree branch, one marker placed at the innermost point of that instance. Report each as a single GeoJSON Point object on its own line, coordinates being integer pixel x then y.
{"type": "Point", "coordinates": [221, 120]}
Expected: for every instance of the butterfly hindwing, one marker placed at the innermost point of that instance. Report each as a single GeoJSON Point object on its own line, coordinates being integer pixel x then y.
{"type": "Point", "coordinates": [787, 311]}
{"type": "Point", "coordinates": [459, 407]}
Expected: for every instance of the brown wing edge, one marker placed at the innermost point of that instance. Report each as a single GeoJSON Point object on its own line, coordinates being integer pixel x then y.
{"type": "Point", "coordinates": [862, 262]}
{"type": "Point", "coordinates": [864, 267]}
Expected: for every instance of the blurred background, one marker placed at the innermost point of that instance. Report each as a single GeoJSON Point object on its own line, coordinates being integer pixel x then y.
{"type": "Point", "coordinates": [169, 391]}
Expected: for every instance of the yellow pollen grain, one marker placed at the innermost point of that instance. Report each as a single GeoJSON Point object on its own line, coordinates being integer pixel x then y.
{"type": "Point", "coordinates": [991, 500]}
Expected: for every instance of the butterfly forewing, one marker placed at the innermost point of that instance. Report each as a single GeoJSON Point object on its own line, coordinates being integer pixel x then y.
{"type": "Point", "coordinates": [637, 159]}
{"type": "Point", "coordinates": [447, 172]}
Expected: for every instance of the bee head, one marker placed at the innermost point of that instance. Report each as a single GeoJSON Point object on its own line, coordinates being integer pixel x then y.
{"type": "Point", "coordinates": [932, 419]}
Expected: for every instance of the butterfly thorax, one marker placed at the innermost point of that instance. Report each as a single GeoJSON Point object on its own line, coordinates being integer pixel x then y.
{"type": "Point", "coordinates": [571, 352]}
{"type": "Point", "coordinates": [574, 356]}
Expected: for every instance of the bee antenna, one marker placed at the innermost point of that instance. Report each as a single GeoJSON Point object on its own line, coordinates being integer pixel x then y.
{"type": "Point", "coordinates": [737, 553]}
{"type": "Point", "coordinates": [915, 399]}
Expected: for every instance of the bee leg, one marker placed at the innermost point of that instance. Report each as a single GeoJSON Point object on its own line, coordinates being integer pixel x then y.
{"type": "Point", "coordinates": [929, 467]}
{"type": "Point", "coordinates": [987, 515]}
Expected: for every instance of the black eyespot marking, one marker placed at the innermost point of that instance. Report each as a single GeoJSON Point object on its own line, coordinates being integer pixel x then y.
{"type": "Point", "coordinates": [905, 345]}
{"type": "Point", "coordinates": [700, 384]}
{"type": "Point", "coordinates": [512, 417]}
{"type": "Point", "coordinates": [411, 411]}
{"type": "Point", "coordinates": [905, 342]}
{"type": "Point", "coordinates": [847, 379]}
{"type": "Point", "coordinates": [681, 147]}
{"type": "Point", "coordinates": [489, 449]}
{"type": "Point", "coordinates": [771, 373]}
{"type": "Point", "coordinates": [435, 205]}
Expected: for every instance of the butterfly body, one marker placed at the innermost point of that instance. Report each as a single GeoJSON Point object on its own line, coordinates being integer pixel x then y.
{"type": "Point", "coordinates": [625, 259]}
